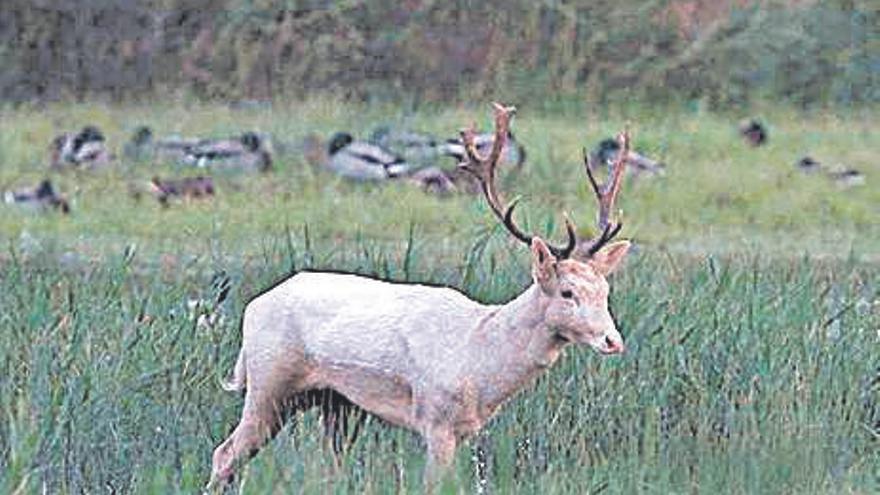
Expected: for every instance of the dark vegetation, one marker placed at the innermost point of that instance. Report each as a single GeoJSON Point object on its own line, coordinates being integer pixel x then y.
{"type": "Point", "coordinates": [721, 52]}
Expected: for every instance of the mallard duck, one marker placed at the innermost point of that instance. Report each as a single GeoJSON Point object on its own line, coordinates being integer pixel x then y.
{"type": "Point", "coordinates": [753, 132]}
{"type": "Point", "coordinates": [40, 198]}
{"type": "Point", "coordinates": [363, 161]}
{"type": "Point", "coordinates": [141, 146]}
{"type": "Point", "coordinates": [85, 149]}
{"type": "Point", "coordinates": [186, 188]}
{"type": "Point", "coordinates": [246, 153]}
{"type": "Point", "coordinates": [513, 153]}
{"type": "Point", "coordinates": [90, 149]}
{"type": "Point", "coordinates": [847, 177]}
{"type": "Point", "coordinates": [144, 146]}
{"type": "Point", "coordinates": [606, 154]}
{"type": "Point", "coordinates": [422, 149]}
{"type": "Point", "coordinates": [844, 177]}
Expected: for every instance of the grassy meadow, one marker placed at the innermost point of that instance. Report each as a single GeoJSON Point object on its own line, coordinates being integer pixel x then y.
{"type": "Point", "coordinates": [750, 308]}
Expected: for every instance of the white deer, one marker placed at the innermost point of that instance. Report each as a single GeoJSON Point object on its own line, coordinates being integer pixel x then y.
{"type": "Point", "coordinates": [425, 358]}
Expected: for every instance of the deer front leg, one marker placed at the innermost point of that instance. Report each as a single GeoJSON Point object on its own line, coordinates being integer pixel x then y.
{"type": "Point", "coordinates": [441, 443]}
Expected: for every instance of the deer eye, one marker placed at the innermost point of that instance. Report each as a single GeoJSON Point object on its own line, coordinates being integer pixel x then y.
{"type": "Point", "coordinates": [566, 294]}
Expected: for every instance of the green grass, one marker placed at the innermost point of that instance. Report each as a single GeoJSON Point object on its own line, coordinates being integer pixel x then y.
{"type": "Point", "coordinates": [718, 196]}
{"type": "Point", "coordinates": [751, 310]}
{"type": "Point", "coordinates": [743, 375]}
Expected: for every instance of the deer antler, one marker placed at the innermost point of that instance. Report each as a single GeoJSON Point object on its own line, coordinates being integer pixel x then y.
{"type": "Point", "coordinates": [484, 170]}
{"type": "Point", "coordinates": [606, 194]}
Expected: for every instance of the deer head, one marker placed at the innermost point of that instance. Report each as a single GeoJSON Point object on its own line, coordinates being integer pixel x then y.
{"type": "Point", "coordinates": [573, 296]}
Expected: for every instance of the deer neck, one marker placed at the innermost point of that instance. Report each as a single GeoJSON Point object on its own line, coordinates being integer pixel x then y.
{"type": "Point", "coordinates": [513, 345]}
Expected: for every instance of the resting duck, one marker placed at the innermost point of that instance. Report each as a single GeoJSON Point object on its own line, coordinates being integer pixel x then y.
{"type": "Point", "coordinates": [41, 198]}
{"type": "Point", "coordinates": [186, 188]}
{"type": "Point", "coordinates": [363, 161]}
{"type": "Point", "coordinates": [245, 153]}
{"type": "Point", "coordinates": [847, 177]}
{"type": "Point", "coordinates": [424, 148]}
{"type": "Point", "coordinates": [143, 146]}
{"type": "Point", "coordinates": [414, 146]}
{"type": "Point", "coordinates": [606, 154]}
{"type": "Point", "coordinates": [371, 162]}
{"type": "Point", "coordinates": [844, 177]}
{"type": "Point", "coordinates": [513, 153]}
{"type": "Point", "coordinates": [753, 132]}
{"type": "Point", "coordinates": [85, 149]}
{"type": "Point", "coordinates": [140, 146]}
{"type": "Point", "coordinates": [248, 152]}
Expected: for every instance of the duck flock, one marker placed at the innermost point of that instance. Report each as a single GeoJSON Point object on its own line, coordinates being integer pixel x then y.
{"type": "Point", "coordinates": [387, 155]}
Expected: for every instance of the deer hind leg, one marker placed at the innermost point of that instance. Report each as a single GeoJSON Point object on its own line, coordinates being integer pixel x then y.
{"type": "Point", "coordinates": [262, 418]}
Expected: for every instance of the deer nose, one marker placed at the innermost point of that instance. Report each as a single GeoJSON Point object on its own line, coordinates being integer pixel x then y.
{"type": "Point", "coordinates": [614, 346]}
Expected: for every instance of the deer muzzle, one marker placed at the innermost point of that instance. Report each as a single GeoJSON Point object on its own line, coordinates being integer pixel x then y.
{"type": "Point", "coordinates": [608, 341]}
{"type": "Point", "coordinates": [612, 345]}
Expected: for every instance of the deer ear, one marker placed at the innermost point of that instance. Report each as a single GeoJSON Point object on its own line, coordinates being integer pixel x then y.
{"type": "Point", "coordinates": [543, 265]}
{"type": "Point", "coordinates": [609, 257]}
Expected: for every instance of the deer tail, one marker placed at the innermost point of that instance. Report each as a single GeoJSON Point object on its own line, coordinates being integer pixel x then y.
{"type": "Point", "coordinates": [238, 380]}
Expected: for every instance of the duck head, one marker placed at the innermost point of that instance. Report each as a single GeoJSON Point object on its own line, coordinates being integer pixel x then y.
{"type": "Point", "coordinates": [88, 134]}
{"type": "Point", "coordinates": [607, 150]}
{"type": "Point", "coordinates": [142, 136]}
{"type": "Point", "coordinates": [45, 190]}
{"type": "Point", "coordinates": [338, 141]}
{"type": "Point", "coordinates": [250, 141]}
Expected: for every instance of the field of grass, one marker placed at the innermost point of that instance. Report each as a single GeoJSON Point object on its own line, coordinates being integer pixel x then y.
{"type": "Point", "coordinates": [751, 309]}
{"type": "Point", "coordinates": [718, 195]}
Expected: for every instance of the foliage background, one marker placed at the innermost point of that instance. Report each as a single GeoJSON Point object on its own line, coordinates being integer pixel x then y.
{"type": "Point", "coordinates": [722, 53]}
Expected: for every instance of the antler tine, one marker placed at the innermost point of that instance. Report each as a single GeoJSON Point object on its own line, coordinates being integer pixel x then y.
{"type": "Point", "coordinates": [606, 194]}
{"type": "Point", "coordinates": [502, 130]}
{"type": "Point", "coordinates": [486, 166]}
{"type": "Point", "coordinates": [588, 166]}
{"type": "Point", "coordinates": [484, 169]}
